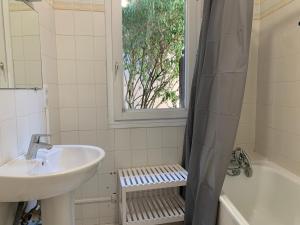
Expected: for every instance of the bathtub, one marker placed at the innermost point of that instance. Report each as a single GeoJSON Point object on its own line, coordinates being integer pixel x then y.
{"type": "Point", "coordinates": [270, 197]}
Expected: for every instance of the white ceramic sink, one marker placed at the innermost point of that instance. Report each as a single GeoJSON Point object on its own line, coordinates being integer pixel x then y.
{"type": "Point", "coordinates": [53, 173]}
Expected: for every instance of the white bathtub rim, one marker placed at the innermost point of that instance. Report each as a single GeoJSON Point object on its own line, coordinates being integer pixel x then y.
{"type": "Point", "coordinates": [233, 210]}
{"type": "Point", "coordinates": [279, 170]}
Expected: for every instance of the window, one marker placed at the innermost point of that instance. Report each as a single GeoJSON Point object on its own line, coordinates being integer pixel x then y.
{"type": "Point", "coordinates": [153, 50]}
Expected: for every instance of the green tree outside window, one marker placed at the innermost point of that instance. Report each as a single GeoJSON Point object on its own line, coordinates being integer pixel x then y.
{"type": "Point", "coordinates": [153, 58]}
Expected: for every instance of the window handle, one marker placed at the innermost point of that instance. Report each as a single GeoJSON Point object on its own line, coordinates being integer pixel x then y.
{"type": "Point", "coordinates": [2, 65]}
{"type": "Point", "coordinates": [2, 68]}
{"type": "Point", "coordinates": [117, 67]}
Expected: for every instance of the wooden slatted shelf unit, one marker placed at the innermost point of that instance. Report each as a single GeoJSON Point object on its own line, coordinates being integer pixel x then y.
{"type": "Point", "coordinates": [149, 195]}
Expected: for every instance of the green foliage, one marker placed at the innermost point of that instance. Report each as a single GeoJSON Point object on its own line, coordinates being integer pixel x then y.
{"type": "Point", "coordinates": [153, 42]}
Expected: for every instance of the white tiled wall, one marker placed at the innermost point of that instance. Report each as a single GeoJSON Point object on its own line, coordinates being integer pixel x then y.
{"type": "Point", "coordinates": [80, 38]}
{"type": "Point", "coordinates": [278, 105]}
{"type": "Point", "coordinates": [246, 130]}
{"type": "Point", "coordinates": [74, 69]}
{"type": "Point", "coordinates": [49, 67]}
{"type": "Point", "coordinates": [21, 115]}
{"type": "Point", "coordinates": [22, 112]}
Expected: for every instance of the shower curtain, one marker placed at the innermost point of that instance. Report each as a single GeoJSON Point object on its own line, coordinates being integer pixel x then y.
{"type": "Point", "coordinates": [215, 104]}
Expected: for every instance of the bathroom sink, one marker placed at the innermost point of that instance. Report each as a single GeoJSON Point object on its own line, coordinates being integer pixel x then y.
{"type": "Point", "coordinates": [53, 173]}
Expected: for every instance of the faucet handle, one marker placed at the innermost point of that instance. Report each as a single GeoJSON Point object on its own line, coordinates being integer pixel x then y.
{"type": "Point", "coordinates": [236, 153]}
{"type": "Point", "coordinates": [35, 138]}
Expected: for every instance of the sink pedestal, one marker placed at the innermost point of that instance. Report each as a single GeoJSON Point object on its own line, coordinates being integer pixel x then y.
{"type": "Point", "coordinates": [58, 210]}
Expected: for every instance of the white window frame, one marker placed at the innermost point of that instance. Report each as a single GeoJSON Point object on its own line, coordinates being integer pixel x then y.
{"type": "Point", "coordinates": [118, 118]}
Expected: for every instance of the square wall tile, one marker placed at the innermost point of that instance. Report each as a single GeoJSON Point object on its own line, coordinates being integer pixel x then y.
{"type": "Point", "coordinates": [99, 23]}
{"type": "Point", "coordinates": [138, 138]}
{"type": "Point", "coordinates": [122, 139]}
{"type": "Point", "coordinates": [106, 139]}
{"type": "Point", "coordinates": [123, 159]}
{"type": "Point", "coordinates": [78, 212]}
{"type": "Point", "coordinates": [32, 47]}
{"type": "Point", "coordinates": [100, 72]}
{"type": "Point", "coordinates": [107, 209]}
{"type": "Point", "coordinates": [86, 96]}
{"type": "Point", "coordinates": [83, 23]}
{"type": "Point", "coordinates": [23, 134]}
{"type": "Point", "coordinates": [53, 95]}
{"type": "Point", "coordinates": [99, 48]}
{"type": "Point", "coordinates": [87, 118]}
{"type": "Point", "coordinates": [102, 118]}
{"type": "Point", "coordinates": [139, 158]}
{"type": "Point", "coordinates": [65, 47]}
{"type": "Point", "coordinates": [70, 137]}
{"type": "Point", "coordinates": [154, 156]}
{"type": "Point", "coordinates": [8, 107]}
{"type": "Point", "coordinates": [66, 70]}
{"type": "Point", "coordinates": [101, 95]}
{"type": "Point", "coordinates": [107, 184]}
{"type": "Point", "coordinates": [154, 138]}
{"type": "Point", "coordinates": [170, 137]}
{"type": "Point", "coordinates": [169, 156]}
{"type": "Point", "coordinates": [88, 137]}
{"type": "Point", "coordinates": [8, 140]}
{"type": "Point", "coordinates": [85, 72]}
{"type": "Point", "coordinates": [64, 22]}
{"type": "Point", "coordinates": [90, 210]}
{"type": "Point", "coordinates": [69, 119]}
{"type": "Point", "coordinates": [68, 96]}
{"type": "Point", "coordinates": [84, 47]}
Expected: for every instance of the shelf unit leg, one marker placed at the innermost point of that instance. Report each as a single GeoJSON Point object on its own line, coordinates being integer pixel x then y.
{"type": "Point", "coordinates": [124, 207]}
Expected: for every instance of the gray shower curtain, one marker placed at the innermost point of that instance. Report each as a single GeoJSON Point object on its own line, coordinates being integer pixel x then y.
{"type": "Point", "coordinates": [215, 104]}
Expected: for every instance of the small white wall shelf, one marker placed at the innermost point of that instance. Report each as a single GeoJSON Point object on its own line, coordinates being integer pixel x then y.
{"type": "Point", "coordinates": [149, 195]}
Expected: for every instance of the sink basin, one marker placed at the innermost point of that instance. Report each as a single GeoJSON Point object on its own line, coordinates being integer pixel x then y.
{"type": "Point", "coordinates": [52, 173]}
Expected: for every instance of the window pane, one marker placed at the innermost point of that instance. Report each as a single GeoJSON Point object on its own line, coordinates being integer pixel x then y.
{"type": "Point", "coordinates": [153, 53]}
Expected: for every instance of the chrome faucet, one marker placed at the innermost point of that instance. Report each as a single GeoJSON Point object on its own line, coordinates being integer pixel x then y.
{"type": "Point", "coordinates": [239, 161]}
{"type": "Point", "coordinates": [36, 144]}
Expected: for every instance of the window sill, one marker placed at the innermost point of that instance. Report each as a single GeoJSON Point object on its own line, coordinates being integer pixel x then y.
{"type": "Point", "coordinates": [148, 123]}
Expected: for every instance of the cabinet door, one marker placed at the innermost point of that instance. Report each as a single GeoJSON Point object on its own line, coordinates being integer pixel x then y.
{"type": "Point", "coordinates": [3, 68]}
